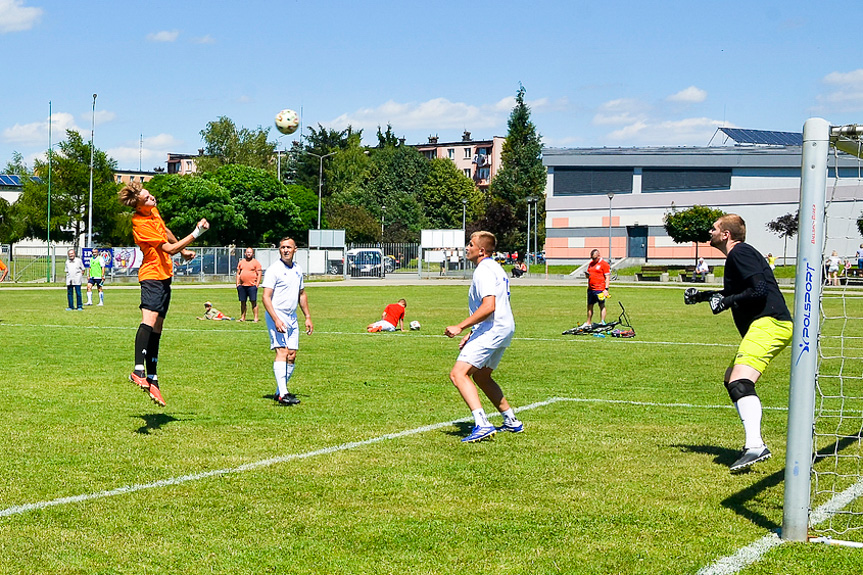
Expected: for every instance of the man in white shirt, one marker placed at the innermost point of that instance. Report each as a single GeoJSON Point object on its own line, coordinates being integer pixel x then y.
{"type": "Point", "coordinates": [74, 276]}
{"type": "Point", "coordinates": [283, 292]}
{"type": "Point", "coordinates": [483, 347]}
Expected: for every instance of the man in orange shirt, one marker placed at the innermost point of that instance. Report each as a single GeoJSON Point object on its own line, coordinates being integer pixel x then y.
{"type": "Point", "coordinates": [598, 277]}
{"type": "Point", "coordinates": [158, 244]}
{"type": "Point", "coordinates": [393, 316]}
{"type": "Point", "coordinates": [4, 271]}
{"type": "Point", "coordinates": [248, 279]}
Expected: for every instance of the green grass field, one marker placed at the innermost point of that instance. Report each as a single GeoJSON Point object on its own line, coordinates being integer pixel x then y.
{"type": "Point", "coordinates": [623, 467]}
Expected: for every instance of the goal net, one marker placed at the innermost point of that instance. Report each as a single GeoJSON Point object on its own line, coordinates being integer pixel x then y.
{"type": "Point", "coordinates": [824, 457]}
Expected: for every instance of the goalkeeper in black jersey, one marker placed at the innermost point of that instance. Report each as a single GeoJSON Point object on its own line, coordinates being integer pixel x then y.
{"type": "Point", "coordinates": [751, 293]}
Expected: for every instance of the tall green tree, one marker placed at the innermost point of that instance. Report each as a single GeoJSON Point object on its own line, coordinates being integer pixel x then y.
{"type": "Point", "coordinates": [225, 143]}
{"type": "Point", "coordinates": [521, 175]}
{"type": "Point", "coordinates": [691, 225]}
{"type": "Point", "coordinates": [70, 196]}
{"type": "Point", "coordinates": [448, 195]}
{"type": "Point", "coordinates": [319, 143]}
{"type": "Point", "coordinates": [17, 166]}
{"type": "Point", "coordinates": [263, 202]}
{"type": "Point", "coordinates": [184, 200]}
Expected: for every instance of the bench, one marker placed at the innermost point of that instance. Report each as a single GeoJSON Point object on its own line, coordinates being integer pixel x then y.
{"type": "Point", "coordinates": [689, 275]}
{"type": "Point", "coordinates": [652, 273]}
{"type": "Point", "coordinates": [853, 276]}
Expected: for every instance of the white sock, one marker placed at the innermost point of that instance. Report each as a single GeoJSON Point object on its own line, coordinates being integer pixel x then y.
{"type": "Point", "coordinates": [101, 297]}
{"type": "Point", "coordinates": [280, 371]}
{"type": "Point", "coordinates": [509, 416]}
{"type": "Point", "coordinates": [749, 409]}
{"type": "Point", "coordinates": [480, 418]}
{"type": "Point", "coordinates": [89, 297]}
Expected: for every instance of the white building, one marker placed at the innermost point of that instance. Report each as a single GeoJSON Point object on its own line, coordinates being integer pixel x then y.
{"type": "Point", "coordinates": [627, 192]}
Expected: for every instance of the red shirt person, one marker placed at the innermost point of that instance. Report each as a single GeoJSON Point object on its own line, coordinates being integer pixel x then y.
{"type": "Point", "coordinates": [392, 317]}
{"type": "Point", "coordinates": [598, 278]}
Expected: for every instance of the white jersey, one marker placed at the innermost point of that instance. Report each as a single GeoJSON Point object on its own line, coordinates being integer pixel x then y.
{"type": "Point", "coordinates": [489, 279]}
{"type": "Point", "coordinates": [286, 283]}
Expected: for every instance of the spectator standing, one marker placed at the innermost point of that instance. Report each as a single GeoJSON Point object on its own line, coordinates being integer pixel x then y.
{"type": "Point", "coordinates": [248, 279]}
{"type": "Point", "coordinates": [598, 279]}
{"type": "Point", "coordinates": [74, 277]}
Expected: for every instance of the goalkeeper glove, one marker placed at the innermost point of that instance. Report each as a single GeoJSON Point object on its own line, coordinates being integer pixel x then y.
{"type": "Point", "coordinates": [692, 296]}
{"type": "Point", "coordinates": [718, 303]}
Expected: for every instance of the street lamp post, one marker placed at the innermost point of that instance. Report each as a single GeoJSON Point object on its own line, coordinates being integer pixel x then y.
{"type": "Point", "coordinates": [535, 244]}
{"type": "Point", "coordinates": [383, 211]}
{"type": "Point", "coordinates": [320, 180]}
{"type": "Point", "coordinates": [50, 153]}
{"type": "Point", "coordinates": [531, 201]}
{"type": "Point", "coordinates": [610, 197]}
{"type": "Point", "coordinates": [92, 150]}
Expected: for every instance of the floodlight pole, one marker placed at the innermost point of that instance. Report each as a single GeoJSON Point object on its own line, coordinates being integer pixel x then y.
{"type": "Point", "coordinates": [463, 229]}
{"type": "Point", "coordinates": [50, 153]}
{"type": "Point", "coordinates": [527, 253]}
{"type": "Point", "coordinates": [535, 244]}
{"type": "Point", "coordinates": [92, 153]}
{"type": "Point", "coordinates": [321, 181]}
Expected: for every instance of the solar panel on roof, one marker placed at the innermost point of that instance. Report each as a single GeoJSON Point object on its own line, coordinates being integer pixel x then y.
{"type": "Point", "coordinates": [7, 180]}
{"type": "Point", "coordinates": [763, 137]}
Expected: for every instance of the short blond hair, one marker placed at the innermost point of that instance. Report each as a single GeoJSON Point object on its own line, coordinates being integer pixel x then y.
{"type": "Point", "coordinates": [485, 240]}
{"type": "Point", "coordinates": [128, 196]}
{"type": "Point", "coordinates": [734, 225]}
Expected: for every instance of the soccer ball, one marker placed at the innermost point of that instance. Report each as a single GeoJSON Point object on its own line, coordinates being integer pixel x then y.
{"type": "Point", "coordinates": [415, 325]}
{"type": "Point", "coordinates": [287, 121]}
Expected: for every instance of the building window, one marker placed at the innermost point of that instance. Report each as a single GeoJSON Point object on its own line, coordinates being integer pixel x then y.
{"type": "Point", "coordinates": [430, 154]}
{"type": "Point", "coordinates": [592, 181]}
{"type": "Point", "coordinates": [677, 179]}
{"type": "Point", "coordinates": [450, 153]}
{"type": "Point", "coordinates": [467, 172]}
{"type": "Point", "coordinates": [467, 153]}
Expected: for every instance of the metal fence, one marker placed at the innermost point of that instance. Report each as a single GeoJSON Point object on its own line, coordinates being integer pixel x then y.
{"type": "Point", "coordinates": [31, 265]}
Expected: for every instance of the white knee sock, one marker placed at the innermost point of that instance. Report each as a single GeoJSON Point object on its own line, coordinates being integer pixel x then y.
{"type": "Point", "coordinates": [281, 372]}
{"type": "Point", "coordinates": [749, 409]}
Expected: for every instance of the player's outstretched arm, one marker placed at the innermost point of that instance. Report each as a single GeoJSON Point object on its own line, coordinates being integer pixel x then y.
{"type": "Point", "coordinates": [174, 246]}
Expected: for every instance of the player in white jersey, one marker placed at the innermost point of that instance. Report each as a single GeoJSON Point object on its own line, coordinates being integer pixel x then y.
{"type": "Point", "coordinates": [283, 292]}
{"type": "Point", "coordinates": [483, 347]}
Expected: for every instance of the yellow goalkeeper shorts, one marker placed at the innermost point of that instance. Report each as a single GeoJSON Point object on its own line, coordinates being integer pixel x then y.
{"type": "Point", "coordinates": [763, 341]}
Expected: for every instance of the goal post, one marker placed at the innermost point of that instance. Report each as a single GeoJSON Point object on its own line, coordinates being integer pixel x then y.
{"type": "Point", "coordinates": [816, 354]}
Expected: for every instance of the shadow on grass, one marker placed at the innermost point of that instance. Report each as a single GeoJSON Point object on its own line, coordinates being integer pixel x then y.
{"type": "Point", "coordinates": [154, 422]}
{"type": "Point", "coordinates": [739, 501]}
{"type": "Point", "coordinates": [462, 429]}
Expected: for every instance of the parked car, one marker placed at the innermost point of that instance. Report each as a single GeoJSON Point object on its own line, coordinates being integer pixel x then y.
{"type": "Point", "coordinates": [366, 262]}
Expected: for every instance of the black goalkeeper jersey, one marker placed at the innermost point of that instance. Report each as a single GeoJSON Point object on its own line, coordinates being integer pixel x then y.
{"type": "Point", "coordinates": [745, 268]}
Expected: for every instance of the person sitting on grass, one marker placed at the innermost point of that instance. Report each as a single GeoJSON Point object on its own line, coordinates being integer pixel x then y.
{"type": "Point", "coordinates": [392, 317]}
{"type": "Point", "coordinates": [519, 269]}
{"type": "Point", "coordinates": [212, 313]}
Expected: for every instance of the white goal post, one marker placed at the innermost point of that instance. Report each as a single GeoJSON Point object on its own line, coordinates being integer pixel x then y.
{"type": "Point", "coordinates": [822, 388]}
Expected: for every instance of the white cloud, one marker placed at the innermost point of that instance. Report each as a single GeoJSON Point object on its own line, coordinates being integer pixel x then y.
{"type": "Point", "coordinates": [620, 111]}
{"type": "Point", "coordinates": [846, 94]}
{"type": "Point", "coordinates": [204, 40]}
{"type": "Point", "coordinates": [435, 114]}
{"type": "Point", "coordinates": [15, 17]}
{"type": "Point", "coordinates": [153, 153]}
{"type": "Point", "coordinates": [163, 36]}
{"type": "Point", "coordinates": [36, 133]}
{"type": "Point", "coordinates": [690, 95]}
{"type": "Point", "coordinates": [685, 132]}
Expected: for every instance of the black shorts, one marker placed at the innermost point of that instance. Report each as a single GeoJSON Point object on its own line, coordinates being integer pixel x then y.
{"type": "Point", "coordinates": [156, 295]}
{"type": "Point", "coordinates": [593, 297]}
{"type": "Point", "coordinates": [95, 281]}
{"type": "Point", "coordinates": [248, 292]}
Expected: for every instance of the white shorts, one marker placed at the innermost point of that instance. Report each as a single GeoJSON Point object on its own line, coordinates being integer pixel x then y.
{"type": "Point", "coordinates": [384, 325]}
{"type": "Point", "coordinates": [479, 355]}
{"type": "Point", "coordinates": [290, 339]}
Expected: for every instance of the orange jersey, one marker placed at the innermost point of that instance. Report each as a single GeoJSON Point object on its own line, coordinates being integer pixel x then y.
{"type": "Point", "coordinates": [2, 266]}
{"type": "Point", "coordinates": [250, 272]}
{"type": "Point", "coordinates": [150, 233]}
{"type": "Point", "coordinates": [596, 275]}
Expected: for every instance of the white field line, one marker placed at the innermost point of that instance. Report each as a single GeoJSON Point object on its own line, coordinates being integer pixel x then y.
{"type": "Point", "coordinates": [364, 334]}
{"type": "Point", "coordinates": [754, 551]}
{"type": "Point", "coordinates": [26, 507]}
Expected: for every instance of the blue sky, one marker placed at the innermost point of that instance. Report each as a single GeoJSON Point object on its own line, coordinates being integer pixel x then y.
{"type": "Point", "coordinates": [618, 73]}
